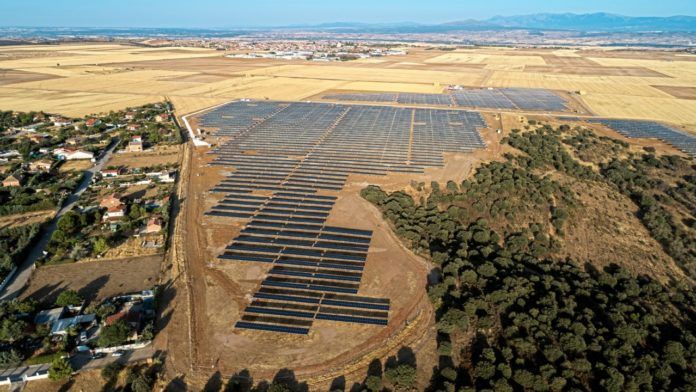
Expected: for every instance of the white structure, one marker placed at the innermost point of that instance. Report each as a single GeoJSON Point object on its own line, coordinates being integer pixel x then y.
{"type": "Point", "coordinates": [70, 154]}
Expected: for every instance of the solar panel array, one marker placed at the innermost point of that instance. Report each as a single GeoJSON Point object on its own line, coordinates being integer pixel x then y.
{"type": "Point", "coordinates": [652, 130]}
{"type": "Point", "coordinates": [289, 160]}
{"type": "Point", "coordinates": [503, 98]}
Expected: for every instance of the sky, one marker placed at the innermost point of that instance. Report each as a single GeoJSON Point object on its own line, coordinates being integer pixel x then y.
{"type": "Point", "coordinates": [250, 13]}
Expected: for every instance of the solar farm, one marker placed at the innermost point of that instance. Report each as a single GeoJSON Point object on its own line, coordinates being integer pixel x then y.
{"type": "Point", "coordinates": [489, 98]}
{"type": "Point", "coordinates": [287, 163]}
{"type": "Point", "coordinates": [652, 130]}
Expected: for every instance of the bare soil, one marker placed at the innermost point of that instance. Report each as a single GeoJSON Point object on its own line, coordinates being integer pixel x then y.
{"type": "Point", "coordinates": [681, 92]}
{"type": "Point", "coordinates": [94, 280]}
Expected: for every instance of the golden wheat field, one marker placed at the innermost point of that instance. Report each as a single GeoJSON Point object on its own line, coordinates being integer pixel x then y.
{"type": "Point", "coordinates": [79, 79]}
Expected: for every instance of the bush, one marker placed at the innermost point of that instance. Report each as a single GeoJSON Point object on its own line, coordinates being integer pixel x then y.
{"type": "Point", "coordinates": [60, 369]}
{"type": "Point", "coordinates": [69, 298]}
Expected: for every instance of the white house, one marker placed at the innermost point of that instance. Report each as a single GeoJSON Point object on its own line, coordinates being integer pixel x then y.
{"type": "Point", "coordinates": [70, 154]}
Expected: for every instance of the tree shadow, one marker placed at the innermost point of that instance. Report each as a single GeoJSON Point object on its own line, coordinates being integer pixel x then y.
{"type": "Point", "coordinates": [67, 386]}
{"type": "Point", "coordinates": [338, 384]}
{"type": "Point", "coordinates": [46, 295]}
{"type": "Point", "coordinates": [177, 384]}
{"type": "Point", "coordinates": [90, 291]}
{"type": "Point", "coordinates": [286, 378]}
{"type": "Point", "coordinates": [405, 356]}
{"type": "Point", "coordinates": [166, 295]}
{"type": "Point", "coordinates": [240, 382]}
{"type": "Point", "coordinates": [214, 383]}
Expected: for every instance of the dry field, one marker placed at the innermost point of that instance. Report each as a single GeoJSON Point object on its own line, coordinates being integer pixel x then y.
{"type": "Point", "coordinates": [28, 218]}
{"type": "Point", "coordinates": [164, 155]}
{"type": "Point", "coordinates": [79, 79]}
{"type": "Point", "coordinates": [96, 280]}
{"type": "Point", "coordinates": [78, 165]}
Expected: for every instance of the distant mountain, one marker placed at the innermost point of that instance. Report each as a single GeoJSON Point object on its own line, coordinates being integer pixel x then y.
{"type": "Point", "coordinates": [595, 22]}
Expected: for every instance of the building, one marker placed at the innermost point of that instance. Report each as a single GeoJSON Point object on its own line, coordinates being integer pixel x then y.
{"type": "Point", "coordinates": [49, 316]}
{"type": "Point", "coordinates": [40, 165]}
{"type": "Point", "coordinates": [114, 213]}
{"type": "Point", "coordinates": [133, 127]}
{"type": "Point", "coordinates": [153, 226]}
{"type": "Point", "coordinates": [130, 115]}
{"type": "Point", "coordinates": [69, 154]}
{"type": "Point", "coordinates": [113, 200]}
{"type": "Point", "coordinates": [13, 180]}
{"type": "Point", "coordinates": [63, 326]}
{"type": "Point", "coordinates": [92, 122]}
{"type": "Point", "coordinates": [162, 117]}
{"type": "Point", "coordinates": [59, 121]}
{"type": "Point", "coordinates": [111, 173]}
{"type": "Point", "coordinates": [136, 144]}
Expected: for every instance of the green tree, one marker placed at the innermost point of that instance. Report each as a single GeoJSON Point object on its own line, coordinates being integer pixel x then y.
{"type": "Point", "coordinates": [114, 334]}
{"type": "Point", "coordinates": [401, 376]}
{"type": "Point", "coordinates": [69, 298]}
{"type": "Point", "coordinates": [60, 369]}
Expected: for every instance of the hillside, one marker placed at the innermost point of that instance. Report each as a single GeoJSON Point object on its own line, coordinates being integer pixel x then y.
{"type": "Point", "coordinates": [551, 263]}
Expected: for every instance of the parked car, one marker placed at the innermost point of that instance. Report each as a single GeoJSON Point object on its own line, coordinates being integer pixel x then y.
{"type": "Point", "coordinates": [97, 355]}
{"type": "Point", "coordinates": [117, 353]}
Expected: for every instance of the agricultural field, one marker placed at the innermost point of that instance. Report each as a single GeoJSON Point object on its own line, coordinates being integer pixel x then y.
{"type": "Point", "coordinates": [324, 235]}
{"type": "Point", "coordinates": [78, 79]}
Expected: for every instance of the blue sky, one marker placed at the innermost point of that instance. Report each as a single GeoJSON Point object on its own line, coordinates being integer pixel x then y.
{"type": "Point", "coordinates": [231, 13]}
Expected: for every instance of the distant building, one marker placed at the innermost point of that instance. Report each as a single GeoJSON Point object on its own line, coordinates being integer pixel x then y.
{"type": "Point", "coordinates": [113, 200]}
{"type": "Point", "coordinates": [92, 122]}
{"type": "Point", "coordinates": [115, 213]}
{"type": "Point", "coordinates": [40, 165]}
{"type": "Point", "coordinates": [162, 117]}
{"type": "Point", "coordinates": [13, 180]}
{"type": "Point", "coordinates": [71, 154]}
{"type": "Point", "coordinates": [136, 144]}
{"type": "Point", "coordinates": [59, 121]}
{"type": "Point", "coordinates": [153, 226]}
{"type": "Point", "coordinates": [133, 127]}
{"type": "Point", "coordinates": [111, 173]}
{"type": "Point", "coordinates": [130, 115]}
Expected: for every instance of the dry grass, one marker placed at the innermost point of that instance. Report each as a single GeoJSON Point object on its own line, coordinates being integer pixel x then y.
{"type": "Point", "coordinates": [80, 165]}
{"type": "Point", "coordinates": [28, 218]}
{"type": "Point", "coordinates": [101, 77]}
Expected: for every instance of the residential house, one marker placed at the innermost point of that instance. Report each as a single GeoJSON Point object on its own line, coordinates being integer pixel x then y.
{"type": "Point", "coordinates": [40, 165]}
{"type": "Point", "coordinates": [49, 316]}
{"type": "Point", "coordinates": [136, 144]}
{"type": "Point", "coordinates": [13, 180]}
{"type": "Point", "coordinates": [111, 173]}
{"type": "Point", "coordinates": [59, 121]}
{"type": "Point", "coordinates": [115, 213]}
{"type": "Point", "coordinates": [162, 117]}
{"type": "Point", "coordinates": [113, 200]}
{"type": "Point", "coordinates": [69, 154]}
{"type": "Point", "coordinates": [63, 326]}
{"type": "Point", "coordinates": [133, 127]}
{"type": "Point", "coordinates": [130, 115]}
{"type": "Point", "coordinates": [153, 226]}
{"type": "Point", "coordinates": [92, 122]}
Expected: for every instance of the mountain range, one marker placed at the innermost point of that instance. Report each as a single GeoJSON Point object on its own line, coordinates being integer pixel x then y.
{"type": "Point", "coordinates": [595, 22]}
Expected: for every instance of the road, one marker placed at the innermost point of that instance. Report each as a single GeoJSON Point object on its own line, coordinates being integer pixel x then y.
{"type": "Point", "coordinates": [79, 363]}
{"type": "Point", "coordinates": [16, 285]}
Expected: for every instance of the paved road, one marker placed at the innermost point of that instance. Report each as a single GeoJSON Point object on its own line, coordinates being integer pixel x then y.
{"type": "Point", "coordinates": [15, 287]}
{"type": "Point", "coordinates": [80, 362]}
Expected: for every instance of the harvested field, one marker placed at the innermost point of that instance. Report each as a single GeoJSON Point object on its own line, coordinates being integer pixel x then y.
{"type": "Point", "coordinates": [596, 71]}
{"type": "Point", "coordinates": [94, 280]}
{"type": "Point", "coordinates": [166, 156]}
{"type": "Point", "coordinates": [28, 218]}
{"type": "Point", "coordinates": [77, 165]}
{"type": "Point", "coordinates": [103, 77]}
{"type": "Point", "coordinates": [11, 76]}
{"type": "Point", "coordinates": [679, 92]}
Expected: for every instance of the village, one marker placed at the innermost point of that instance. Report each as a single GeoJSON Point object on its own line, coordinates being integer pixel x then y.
{"type": "Point", "coordinates": [93, 191]}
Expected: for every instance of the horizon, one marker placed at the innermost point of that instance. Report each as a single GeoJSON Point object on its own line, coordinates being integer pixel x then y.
{"type": "Point", "coordinates": [216, 14]}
